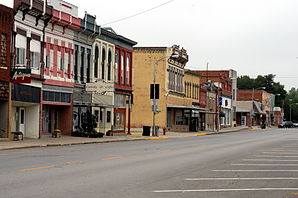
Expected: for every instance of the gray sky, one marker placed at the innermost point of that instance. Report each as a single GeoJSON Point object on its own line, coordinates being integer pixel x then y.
{"type": "Point", "coordinates": [251, 36]}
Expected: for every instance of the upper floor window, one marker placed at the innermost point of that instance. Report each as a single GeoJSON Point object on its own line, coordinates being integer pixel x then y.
{"type": "Point", "coordinates": [109, 64]}
{"type": "Point", "coordinates": [76, 62]}
{"type": "Point", "coordinates": [116, 66]}
{"type": "Point", "coordinates": [96, 61]}
{"type": "Point", "coordinates": [127, 76]}
{"type": "Point", "coordinates": [103, 60]}
{"type": "Point", "coordinates": [122, 68]}
{"type": "Point", "coordinates": [20, 56]}
{"type": "Point", "coordinates": [35, 59]}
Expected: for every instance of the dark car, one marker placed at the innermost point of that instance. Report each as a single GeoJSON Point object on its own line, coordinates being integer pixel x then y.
{"type": "Point", "coordinates": [286, 124]}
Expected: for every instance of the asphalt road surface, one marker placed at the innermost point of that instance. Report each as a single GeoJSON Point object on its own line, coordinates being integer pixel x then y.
{"type": "Point", "coordinates": [241, 164]}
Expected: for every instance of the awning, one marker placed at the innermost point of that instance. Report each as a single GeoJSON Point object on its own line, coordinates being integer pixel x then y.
{"type": "Point", "coordinates": [241, 110]}
{"type": "Point", "coordinates": [187, 107]}
{"type": "Point", "coordinates": [258, 110]}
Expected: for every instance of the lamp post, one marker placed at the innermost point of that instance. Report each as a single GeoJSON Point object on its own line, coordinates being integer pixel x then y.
{"type": "Point", "coordinates": [154, 132]}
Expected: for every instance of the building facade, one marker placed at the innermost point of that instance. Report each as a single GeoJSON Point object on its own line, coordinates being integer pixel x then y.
{"type": "Point", "coordinates": [178, 93]}
{"type": "Point", "coordinates": [83, 72]}
{"type": "Point", "coordinates": [6, 32]}
{"type": "Point", "coordinates": [222, 79]}
{"type": "Point", "coordinates": [60, 55]}
{"type": "Point", "coordinates": [266, 100]}
{"type": "Point", "coordinates": [123, 67]}
{"type": "Point", "coordinates": [31, 19]}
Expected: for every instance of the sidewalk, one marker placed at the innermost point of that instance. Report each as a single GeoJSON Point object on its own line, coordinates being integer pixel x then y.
{"type": "Point", "coordinates": [47, 140]}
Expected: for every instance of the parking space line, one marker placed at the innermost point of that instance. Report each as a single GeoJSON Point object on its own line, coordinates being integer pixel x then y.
{"type": "Point", "coordinates": [255, 170]}
{"type": "Point", "coordinates": [281, 156]}
{"type": "Point", "coordinates": [279, 153]}
{"type": "Point", "coordinates": [269, 160]}
{"type": "Point", "coordinates": [226, 190]}
{"type": "Point", "coordinates": [264, 164]}
{"type": "Point", "coordinates": [239, 178]}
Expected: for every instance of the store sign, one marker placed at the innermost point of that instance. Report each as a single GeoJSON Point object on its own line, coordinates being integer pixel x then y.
{"type": "Point", "coordinates": [100, 87]}
{"type": "Point", "coordinates": [21, 76]}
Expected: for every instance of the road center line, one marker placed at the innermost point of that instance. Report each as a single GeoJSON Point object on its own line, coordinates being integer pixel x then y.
{"type": "Point", "coordinates": [111, 158]}
{"type": "Point", "coordinates": [264, 164]}
{"type": "Point", "coordinates": [238, 178]}
{"type": "Point", "coordinates": [38, 168]}
{"type": "Point", "coordinates": [226, 190]}
{"type": "Point", "coordinates": [255, 170]}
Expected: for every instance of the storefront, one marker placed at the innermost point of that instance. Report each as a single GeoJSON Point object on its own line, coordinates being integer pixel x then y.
{"type": "Point", "coordinates": [122, 114]}
{"type": "Point", "coordinates": [57, 109]}
{"type": "Point", "coordinates": [25, 110]}
{"type": "Point", "coordinates": [185, 118]}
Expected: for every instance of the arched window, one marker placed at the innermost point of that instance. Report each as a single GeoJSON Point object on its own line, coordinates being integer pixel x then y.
{"type": "Point", "coordinates": [103, 60]}
{"type": "Point", "coordinates": [109, 64]}
{"type": "Point", "coordinates": [127, 76]}
{"type": "Point", "coordinates": [116, 66]}
{"type": "Point", "coordinates": [96, 62]}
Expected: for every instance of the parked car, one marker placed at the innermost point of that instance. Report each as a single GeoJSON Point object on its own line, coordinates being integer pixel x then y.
{"type": "Point", "coordinates": [295, 124]}
{"type": "Point", "coordinates": [286, 124]}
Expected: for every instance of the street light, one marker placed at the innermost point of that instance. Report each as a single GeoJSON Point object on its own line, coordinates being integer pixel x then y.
{"type": "Point", "coordinates": [154, 132]}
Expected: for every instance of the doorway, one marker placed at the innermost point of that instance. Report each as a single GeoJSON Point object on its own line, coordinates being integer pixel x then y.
{"type": "Point", "coordinates": [22, 120]}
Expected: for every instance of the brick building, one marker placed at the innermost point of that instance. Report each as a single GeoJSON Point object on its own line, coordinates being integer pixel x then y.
{"type": "Point", "coordinates": [6, 24]}
{"type": "Point", "coordinates": [225, 80]}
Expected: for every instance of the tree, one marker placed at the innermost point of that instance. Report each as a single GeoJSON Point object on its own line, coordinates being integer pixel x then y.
{"type": "Point", "coordinates": [267, 81]}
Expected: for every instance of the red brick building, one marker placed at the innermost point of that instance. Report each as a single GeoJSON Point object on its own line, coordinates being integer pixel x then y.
{"type": "Point", "coordinates": [6, 24]}
{"type": "Point", "coordinates": [223, 80]}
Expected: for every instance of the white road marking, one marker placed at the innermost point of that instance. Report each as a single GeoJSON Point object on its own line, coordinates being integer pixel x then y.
{"type": "Point", "coordinates": [255, 170]}
{"type": "Point", "coordinates": [276, 156]}
{"type": "Point", "coordinates": [279, 150]}
{"type": "Point", "coordinates": [264, 164]}
{"type": "Point", "coordinates": [269, 160]}
{"type": "Point", "coordinates": [280, 153]}
{"type": "Point", "coordinates": [226, 190]}
{"type": "Point", "coordinates": [239, 178]}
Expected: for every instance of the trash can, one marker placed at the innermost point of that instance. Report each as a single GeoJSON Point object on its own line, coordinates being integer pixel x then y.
{"type": "Point", "coordinates": [146, 130]}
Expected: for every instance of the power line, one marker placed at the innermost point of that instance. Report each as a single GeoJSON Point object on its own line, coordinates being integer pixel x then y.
{"type": "Point", "coordinates": [139, 13]}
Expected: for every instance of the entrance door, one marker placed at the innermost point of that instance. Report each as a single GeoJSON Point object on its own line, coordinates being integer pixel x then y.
{"type": "Point", "coordinates": [22, 120]}
{"type": "Point", "coordinates": [193, 124]}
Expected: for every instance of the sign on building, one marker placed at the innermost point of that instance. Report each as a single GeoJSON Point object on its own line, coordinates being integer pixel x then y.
{"type": "Point", "coordinates": [21, 75]}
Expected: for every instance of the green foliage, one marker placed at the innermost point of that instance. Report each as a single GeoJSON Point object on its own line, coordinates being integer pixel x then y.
{"type": "Point", "coordinates": [291, 100]}
{"type": "Point", "coordinates": [267, 81]}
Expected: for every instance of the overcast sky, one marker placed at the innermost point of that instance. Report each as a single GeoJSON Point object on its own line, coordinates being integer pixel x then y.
{"type": "Point", "coordinates": [250, 36]}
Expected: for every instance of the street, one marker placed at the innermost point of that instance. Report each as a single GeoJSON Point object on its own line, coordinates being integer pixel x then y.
{"type": "Point", "coordinates": [251, 163]}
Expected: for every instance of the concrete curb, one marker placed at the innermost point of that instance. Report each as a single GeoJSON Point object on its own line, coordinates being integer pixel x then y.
{"type": "Point", "coordinates": [135, 138]}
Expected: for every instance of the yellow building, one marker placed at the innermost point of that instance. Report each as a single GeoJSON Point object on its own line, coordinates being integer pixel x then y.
{"type": "Point", "coordinates": [179, 90]}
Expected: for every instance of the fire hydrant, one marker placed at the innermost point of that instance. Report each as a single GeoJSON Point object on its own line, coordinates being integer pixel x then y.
{"type": "Point", "coordinates": [164, 129]}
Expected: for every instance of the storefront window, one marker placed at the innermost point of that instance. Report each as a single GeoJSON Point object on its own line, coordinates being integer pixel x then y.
{"type": "Point", "coordinates": [120, 101]}
{"type": "Point", "coordinates": [119, 121]}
